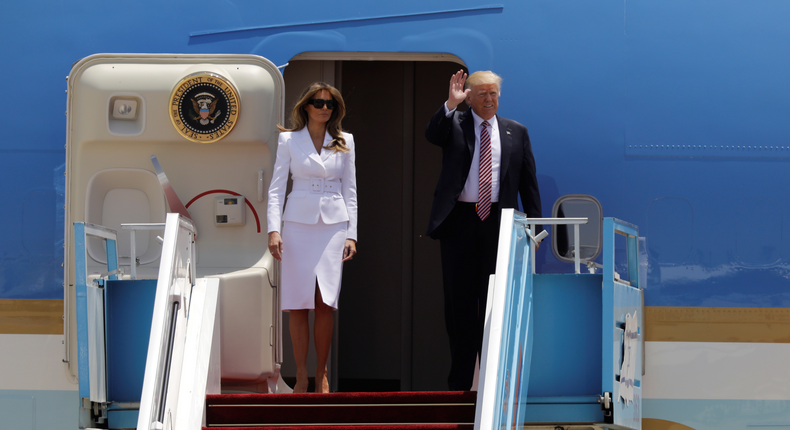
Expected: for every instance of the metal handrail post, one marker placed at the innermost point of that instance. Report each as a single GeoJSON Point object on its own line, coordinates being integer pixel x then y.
{"type": "Point", "coordinates": [133, 256]}
{"type": "Point", "coordinates": [532, 222]}
{"type": "Point", "coordinates": [576, 250]}
{"type": "Point", "coordinates": [134, 227]}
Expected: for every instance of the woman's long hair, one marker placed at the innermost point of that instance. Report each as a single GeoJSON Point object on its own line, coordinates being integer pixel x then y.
{"type": "Point", "coordinates": [299, 116]}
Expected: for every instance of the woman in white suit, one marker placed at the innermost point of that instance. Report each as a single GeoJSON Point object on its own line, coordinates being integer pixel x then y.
{"type": "Point", "coordinates": [319, 229]}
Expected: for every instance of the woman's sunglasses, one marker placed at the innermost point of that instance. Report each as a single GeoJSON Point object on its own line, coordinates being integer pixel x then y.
{"type": "Point", "coordinates": [319, 103]}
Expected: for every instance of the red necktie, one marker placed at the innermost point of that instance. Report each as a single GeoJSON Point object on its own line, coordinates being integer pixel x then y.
{"type": "Point", "coordinates": [484, 190]}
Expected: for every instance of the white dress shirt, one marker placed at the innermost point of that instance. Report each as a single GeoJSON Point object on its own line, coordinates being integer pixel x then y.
{"type": "Point", "coordinates": [471, 187]}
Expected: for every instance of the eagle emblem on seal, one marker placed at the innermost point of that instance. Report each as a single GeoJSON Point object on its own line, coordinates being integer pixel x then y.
{"type": "Point", "coordinates": [205, 105]}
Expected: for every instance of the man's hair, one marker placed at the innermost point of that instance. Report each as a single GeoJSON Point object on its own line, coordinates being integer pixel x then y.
{"type": "Point", "coordinates": [484, 77]}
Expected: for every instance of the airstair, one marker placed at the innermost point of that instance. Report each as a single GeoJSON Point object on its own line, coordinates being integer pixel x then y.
{"type": "Point", "coordinates": [560, 350]}
{"type": "Point", "coordinates": [177, 368]}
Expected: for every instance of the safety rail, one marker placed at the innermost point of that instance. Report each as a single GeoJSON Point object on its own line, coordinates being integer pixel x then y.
{"type": "Point", "coordinates": [532, 223]}
{"type": "Point", "coordinates": [545, 360]}
{"type": "Point", "coordinates": [90, 321]}
{"type": "Point", "coordinates": [174, 316]}
{"type": "Point", "coordinates": [135, 227]}
{"type": "Point", "coordinates": [184, 337]}
{"type": "Point", "coordinates": [507, 326]}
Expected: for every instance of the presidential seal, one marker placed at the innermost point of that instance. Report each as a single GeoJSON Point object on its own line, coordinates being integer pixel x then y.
{"type": "Point", "coordinates": [204, 107]}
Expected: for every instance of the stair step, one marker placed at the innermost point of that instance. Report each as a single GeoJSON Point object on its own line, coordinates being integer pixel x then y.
{"type": "Point", "coordinates": [315, 398]}
{"type": "Point", "coordinates": [444, 410]}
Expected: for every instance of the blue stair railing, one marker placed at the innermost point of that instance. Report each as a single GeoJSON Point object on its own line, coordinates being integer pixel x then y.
{"type": "Point", "coordinates": [90, 322]}
{"type": "Point", "coordinates": [561, 349]}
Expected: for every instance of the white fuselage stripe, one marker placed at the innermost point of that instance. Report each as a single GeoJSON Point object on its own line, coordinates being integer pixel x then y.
{"type": "Point", "coordinates": [33, 362]}
{"type": "Point", "coordinates": [717, 370]}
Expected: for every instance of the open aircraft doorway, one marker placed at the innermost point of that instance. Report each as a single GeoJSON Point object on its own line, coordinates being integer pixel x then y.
{"type": "Point", "coordinates": [389, 330]}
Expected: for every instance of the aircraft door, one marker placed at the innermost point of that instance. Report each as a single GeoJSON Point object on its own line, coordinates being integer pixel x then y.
{"type": "Point", "coordinates": [211, 122]}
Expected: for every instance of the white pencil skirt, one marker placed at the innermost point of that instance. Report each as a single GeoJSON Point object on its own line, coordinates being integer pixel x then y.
{"type": "Point", "coordinates": [311, 252]}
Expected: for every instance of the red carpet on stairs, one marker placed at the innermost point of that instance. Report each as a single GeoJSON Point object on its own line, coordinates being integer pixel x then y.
{"type": "Point", "coordinates": [355, 427]}
{"type": "Point", "coordinates": [443, 410]}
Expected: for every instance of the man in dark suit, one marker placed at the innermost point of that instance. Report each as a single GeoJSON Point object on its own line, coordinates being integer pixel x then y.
{"type": "Point", "coordinates": [487, 163]}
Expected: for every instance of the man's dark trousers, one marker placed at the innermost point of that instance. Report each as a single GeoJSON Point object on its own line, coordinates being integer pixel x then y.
{"type": "Point", "coordinates": [468, 247]}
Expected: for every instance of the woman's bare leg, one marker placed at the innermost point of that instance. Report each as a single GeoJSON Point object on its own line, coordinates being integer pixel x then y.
{"type": "Point", "coordinates": [300, 337]}
{"type": "Point", "coordinates": [322, 331]}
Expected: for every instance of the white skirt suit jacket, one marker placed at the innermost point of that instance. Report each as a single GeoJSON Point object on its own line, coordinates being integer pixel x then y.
{"type": "Point", "coordinates": [325, 189]}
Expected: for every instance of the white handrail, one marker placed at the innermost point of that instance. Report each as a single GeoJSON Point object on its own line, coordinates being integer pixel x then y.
{"type": "Point", "coordinates": [134, 227]}
{"type": "Point", "coordinates": [168, 326]}
{"type": "Point", "coordinates": [532, 222]}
